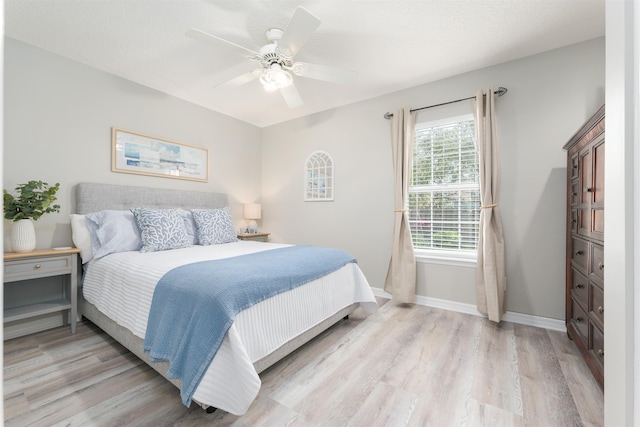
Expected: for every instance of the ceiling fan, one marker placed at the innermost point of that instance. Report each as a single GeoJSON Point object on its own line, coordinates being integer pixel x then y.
{"type": "Point", "coordinates": [276, 58]}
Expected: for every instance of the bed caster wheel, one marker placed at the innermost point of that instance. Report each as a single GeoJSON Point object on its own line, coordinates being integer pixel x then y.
{"type": "Point", "coordinates": [211, 410]}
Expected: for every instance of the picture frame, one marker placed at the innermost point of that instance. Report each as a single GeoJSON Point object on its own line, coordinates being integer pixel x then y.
{"type": "Point", "coordinates": [137, 153]}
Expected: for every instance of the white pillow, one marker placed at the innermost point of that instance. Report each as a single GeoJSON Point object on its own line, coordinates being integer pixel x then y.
{"type": "Point", "coordinates": [81, 237]}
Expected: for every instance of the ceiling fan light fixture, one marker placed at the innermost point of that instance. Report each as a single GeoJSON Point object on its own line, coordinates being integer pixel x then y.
{"type": "Point", "coordinates": [275, 77]}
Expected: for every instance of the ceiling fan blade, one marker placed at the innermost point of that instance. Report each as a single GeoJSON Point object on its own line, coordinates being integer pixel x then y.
{"type": "Point", "coordinates": [291, 96]}
{"type": "Point", "coordinates": [325, 73]}
{"type": "Point", "coordinates": [221, 43]}
{"type": "Point", "coordinates": [298, 31]}
{"type": "Point", "coordinates": [240, 80]}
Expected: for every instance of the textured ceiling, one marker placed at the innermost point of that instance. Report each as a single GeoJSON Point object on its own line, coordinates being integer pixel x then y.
{"type": "Point", "coordinates": [393, 45]}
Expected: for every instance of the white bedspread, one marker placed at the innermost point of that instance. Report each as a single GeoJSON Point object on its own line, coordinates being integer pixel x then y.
{"type": "Point", "coordinates": [121, 286]}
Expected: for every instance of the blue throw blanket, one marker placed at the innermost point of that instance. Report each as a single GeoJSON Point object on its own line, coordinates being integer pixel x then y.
{"type": "Point", "coordinates": [194, 305]}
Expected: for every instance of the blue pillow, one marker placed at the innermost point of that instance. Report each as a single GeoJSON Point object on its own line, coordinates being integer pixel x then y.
{"type": "Point", "coordinates": [161, 229]}
{"type": "Point", "coordinates": [190, 225]}
{"type": "Point", "coordinates": [112, 231]}
{"type": "Point", "coordinates": [214, 226]}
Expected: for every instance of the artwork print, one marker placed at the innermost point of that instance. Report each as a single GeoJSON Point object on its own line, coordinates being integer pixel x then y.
{"type": "Point", "coordinates": [147, 155]}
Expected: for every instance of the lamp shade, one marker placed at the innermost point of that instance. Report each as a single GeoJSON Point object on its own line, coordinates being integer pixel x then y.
{"type": "Point", "coordinates": [252, 211]}
{"type": "Point", "coordinates": [275, 77]}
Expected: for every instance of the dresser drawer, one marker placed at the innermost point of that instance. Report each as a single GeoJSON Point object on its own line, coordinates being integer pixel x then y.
{"type": "Point", "coordinates": [579, 253]}
{"type": "Point", "coordinates": [596, 268]}
{"type": "Point", "coordinates": [596, 305]}
{"type": "Point", "coordinates": [580, 321]}
{"type": "Point", "coordinates": [36, 267]}
{"type": "Point", "coordinates": [597, 343]}
{"type": "Point", "coordinates": [579, 287]}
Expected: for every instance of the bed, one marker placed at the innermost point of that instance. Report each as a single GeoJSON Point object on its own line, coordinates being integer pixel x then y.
{"type": "Point", "coordinates": [118, 289]}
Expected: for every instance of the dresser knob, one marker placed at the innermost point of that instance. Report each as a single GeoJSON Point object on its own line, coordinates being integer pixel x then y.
{"type": "Point", "coordinates": [578, 319]}
{"type": "Point", "coordinates": [600, 266]}
{"type": "Point", "coordinates": [600, 309]}
{"type": "Point", "coordinates": [38, 266]}
{"type": "Point", "coordinates": [588, 190]}
{"type": "Point", "coordinates": [579, 252]}
{"type": "Point", "coordinates": [580, 286]}
{"type": "Point", "coordinates": [601, 353]}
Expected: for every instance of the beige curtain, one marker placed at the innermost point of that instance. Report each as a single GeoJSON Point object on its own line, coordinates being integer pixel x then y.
{"type": "Point", "coordinates": [401, 276]}
{"type": "Point", "coordinates": [491, 273]}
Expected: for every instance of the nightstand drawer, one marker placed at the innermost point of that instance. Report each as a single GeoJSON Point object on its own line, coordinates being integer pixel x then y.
{"type": "Point", "coordinates": [256, 237]}
{"type": "Point", "coordinates": [36, 267]}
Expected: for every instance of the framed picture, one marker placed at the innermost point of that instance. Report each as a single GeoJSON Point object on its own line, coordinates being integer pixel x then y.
{"type": "Point", "coordinates": [134, 152]}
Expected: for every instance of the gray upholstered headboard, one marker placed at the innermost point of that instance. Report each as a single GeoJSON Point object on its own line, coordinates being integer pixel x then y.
{"type": "Point", "coordinates": [92, 197]}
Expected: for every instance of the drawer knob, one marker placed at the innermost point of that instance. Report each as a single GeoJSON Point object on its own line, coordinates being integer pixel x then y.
{"type": "Point", "coordinates": [601, 353]}
{"type": "Point", "coordinates": [579, 252]}
{"type": "Point", "coordinates": [600, 266]}
{"type": "Point", "coordinates": [38, 266]}
{"type": "Point", "coordinates": [600, 309]}
{"type": "Point", "coordinates": [578, 319]}
{"type": "Point", "coordinates": [588, 190]}
{"type": "Point", "coordinates": [580, 286]}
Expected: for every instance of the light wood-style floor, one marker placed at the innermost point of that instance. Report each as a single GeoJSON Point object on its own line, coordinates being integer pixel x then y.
{"type": "Point", "coordinates": [403, 365]}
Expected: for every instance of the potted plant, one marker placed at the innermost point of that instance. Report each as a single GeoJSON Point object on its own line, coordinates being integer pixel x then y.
{"type": "Point", "coordinates": [33, 199]}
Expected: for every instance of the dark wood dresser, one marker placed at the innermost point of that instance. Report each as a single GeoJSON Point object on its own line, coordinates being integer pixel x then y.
{"type": "Point", "coordinates": [585, 242]}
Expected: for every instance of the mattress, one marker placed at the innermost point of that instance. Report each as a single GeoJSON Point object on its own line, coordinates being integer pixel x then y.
{"type": "Point", "coordinates": [121, 286]}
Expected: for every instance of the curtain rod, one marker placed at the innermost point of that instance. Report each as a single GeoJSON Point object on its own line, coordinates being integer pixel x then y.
{"type": "Point", "coordinates": [501, 91]}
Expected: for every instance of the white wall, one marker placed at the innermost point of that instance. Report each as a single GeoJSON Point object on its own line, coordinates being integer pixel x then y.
{"type": "Point", "coordinates": [58, 116]}
{"type": "Point", "coordinates": [550, 96]}
{"type": "Point", "coordinates": [620, 251]}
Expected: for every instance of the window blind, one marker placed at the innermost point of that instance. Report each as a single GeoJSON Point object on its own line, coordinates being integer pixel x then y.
{"type": "Point", "coordinates": [444, 195]}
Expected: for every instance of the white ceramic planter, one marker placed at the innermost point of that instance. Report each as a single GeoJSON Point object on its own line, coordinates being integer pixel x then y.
{"type": "Point", "coordinates": [23, 236]}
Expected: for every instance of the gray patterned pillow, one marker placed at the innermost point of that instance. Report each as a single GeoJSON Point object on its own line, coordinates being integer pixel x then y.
{"type": "Point", "coordinates": [214, 226]}
{"type": "Point", "coordinates": [161, 229]}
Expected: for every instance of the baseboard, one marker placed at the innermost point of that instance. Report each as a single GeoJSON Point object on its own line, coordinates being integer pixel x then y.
{"type": "Point", "coordinates": [523, 319]}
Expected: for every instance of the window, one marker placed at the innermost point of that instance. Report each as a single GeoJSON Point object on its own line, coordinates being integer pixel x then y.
{"type": "Point", "coordinates": [444, 193]}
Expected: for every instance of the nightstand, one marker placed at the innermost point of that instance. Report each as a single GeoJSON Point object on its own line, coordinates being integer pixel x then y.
{"type": "Point", "coordinates": [256, 237]}
{"type": "Point", "coordinates": [21, 286]}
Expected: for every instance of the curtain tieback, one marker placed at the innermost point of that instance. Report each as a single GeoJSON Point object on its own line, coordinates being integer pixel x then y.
{"type": "Point", "coordinates": [489, 206]}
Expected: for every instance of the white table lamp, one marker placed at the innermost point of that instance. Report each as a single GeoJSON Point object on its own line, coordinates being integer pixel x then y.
{"type": "Point", "coordinates": [252, 211]}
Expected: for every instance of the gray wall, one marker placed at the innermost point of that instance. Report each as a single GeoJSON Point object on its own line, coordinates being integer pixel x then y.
{"type": "Point", "coordinates": [58, 116]}
{"type": "Point", "coordinates": [550, 96]}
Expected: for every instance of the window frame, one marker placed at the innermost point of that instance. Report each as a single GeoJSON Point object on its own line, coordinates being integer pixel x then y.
{"type": "Point", "coordinates": [447, 257]}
